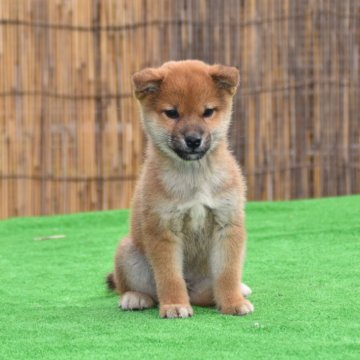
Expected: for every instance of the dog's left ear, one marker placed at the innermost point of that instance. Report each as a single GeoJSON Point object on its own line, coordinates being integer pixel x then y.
{"type": "Point", "coordinates": [146, 81]}
{"type": "Point", "coordinates": [225, 77]}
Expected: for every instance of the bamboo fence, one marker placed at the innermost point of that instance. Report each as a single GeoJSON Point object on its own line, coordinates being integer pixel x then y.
{"type": "Point", "coordinates": [70, 137]}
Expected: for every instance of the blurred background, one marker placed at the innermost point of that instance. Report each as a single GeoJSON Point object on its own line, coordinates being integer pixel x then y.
{"type": "Point", "coordinates": [70, 136]}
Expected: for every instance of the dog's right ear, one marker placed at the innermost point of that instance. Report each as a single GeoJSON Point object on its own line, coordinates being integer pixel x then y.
{"type": "Point", "coordinates": [146, 82]}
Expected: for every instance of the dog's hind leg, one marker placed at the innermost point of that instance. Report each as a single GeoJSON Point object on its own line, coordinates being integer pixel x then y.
{"type": "Point", "coordinates": [133, 278]}
{"type": "Point", "coordinates": [245, 290]}
{"type": "Point", "coordinates": [134, 300]}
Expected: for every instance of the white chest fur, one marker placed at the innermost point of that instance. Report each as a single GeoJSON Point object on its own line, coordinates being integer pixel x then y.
{"type": "Point", "coordinates": [197, 208]}
{"type": "Point", "coordinates": [195, 192]}
{"type": "Point", "coordinates": [193, 210]}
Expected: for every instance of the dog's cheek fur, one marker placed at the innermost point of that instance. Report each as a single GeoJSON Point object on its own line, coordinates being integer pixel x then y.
{"type": "Point", "coordinates": [219, 129]}
{"type": "Point", "coordinates": [159, 134]}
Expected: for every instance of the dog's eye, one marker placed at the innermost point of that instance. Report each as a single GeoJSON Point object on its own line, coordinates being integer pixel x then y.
{"type": "Point", "coordinates": [172, 114]}
{"type": "Point", "coordinates": [208, 112]}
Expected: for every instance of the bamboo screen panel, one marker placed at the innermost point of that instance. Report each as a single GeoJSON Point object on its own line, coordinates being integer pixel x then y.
{"type": "Point", "coordinates": [70, 136]}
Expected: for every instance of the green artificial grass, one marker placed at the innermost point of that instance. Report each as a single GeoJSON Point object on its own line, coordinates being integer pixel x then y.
{"type": "Point", "coordinates": [303, 264]}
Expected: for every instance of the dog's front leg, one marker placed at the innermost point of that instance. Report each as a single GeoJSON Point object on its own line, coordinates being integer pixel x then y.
{"type": "Point", "coordinates": [165, 253]}
{"type": "Point", "coordinates": [226, 264]}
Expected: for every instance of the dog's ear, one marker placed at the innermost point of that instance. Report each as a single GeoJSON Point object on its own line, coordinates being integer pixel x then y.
{"type": "Point", "coordinates": [225, 77]}
{"type": "Point", "coordinates": [146, 81]}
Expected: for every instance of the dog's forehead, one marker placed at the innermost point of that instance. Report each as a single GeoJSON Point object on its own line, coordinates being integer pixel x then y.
{"type": "Point", "coordinates": [188, 87]}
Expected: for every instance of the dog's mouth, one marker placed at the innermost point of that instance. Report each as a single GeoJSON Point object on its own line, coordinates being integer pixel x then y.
{"type": "Point", "coordinates": [190, 155]}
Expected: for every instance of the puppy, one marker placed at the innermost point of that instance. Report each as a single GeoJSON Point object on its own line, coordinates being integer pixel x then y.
{"type": "Point", "coordinates": [187, 240]}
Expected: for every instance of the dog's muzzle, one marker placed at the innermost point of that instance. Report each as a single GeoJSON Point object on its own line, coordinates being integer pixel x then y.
{"type": "Point", "coordinates": [191, 146]}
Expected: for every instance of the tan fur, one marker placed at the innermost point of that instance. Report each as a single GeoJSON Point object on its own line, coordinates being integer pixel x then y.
{"type": "Point", "coordinates": [187, 237]}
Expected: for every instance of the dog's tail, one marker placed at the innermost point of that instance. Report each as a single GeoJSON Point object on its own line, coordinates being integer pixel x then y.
{"type": "Point", "coordinates": [110, 282]}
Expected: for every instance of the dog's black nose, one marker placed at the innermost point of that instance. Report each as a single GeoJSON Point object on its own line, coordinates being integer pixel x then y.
{"type": "Point", "coordinates": [193, 141]}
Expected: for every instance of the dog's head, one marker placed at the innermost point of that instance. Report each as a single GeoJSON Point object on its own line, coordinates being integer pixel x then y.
{"type": "Point", "coordinates": [186, 105]}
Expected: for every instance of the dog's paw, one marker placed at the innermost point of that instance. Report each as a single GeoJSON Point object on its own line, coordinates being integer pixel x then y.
{"type": "Point", "coordinates": [245, 290]}
{"type": "Point", "coordinates": [133, 300]}
{"type": "Point", "coordinates": [241, 307]}
{"type": "Point", "coordinates": [176, 311]}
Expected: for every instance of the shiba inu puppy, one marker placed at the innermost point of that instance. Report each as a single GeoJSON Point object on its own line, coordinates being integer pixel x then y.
{"type": "Point", "coordinates": [187, 240]}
